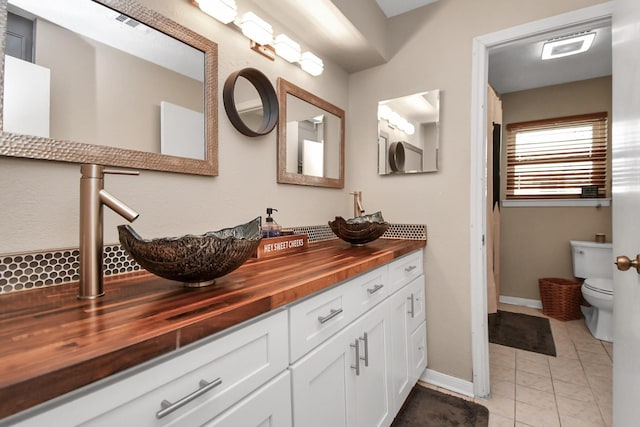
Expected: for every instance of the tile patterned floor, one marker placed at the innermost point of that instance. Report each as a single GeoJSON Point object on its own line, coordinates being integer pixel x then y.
{"type": "Point", "coordinates": [531, 389]}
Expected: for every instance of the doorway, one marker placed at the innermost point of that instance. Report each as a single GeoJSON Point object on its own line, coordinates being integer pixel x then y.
{"type": "Point", "coordinates": [478, 168]}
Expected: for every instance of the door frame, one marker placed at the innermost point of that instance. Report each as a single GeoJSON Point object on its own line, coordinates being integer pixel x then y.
{"type": "Point", "coordinates": [478, 171]}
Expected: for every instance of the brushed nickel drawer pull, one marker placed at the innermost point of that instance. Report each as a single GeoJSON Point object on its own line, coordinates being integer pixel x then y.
{"type": "Point", "coordinates": [365, 339]}
{"type": "Point", "coordinates": [375, 289]}
{"type": "Point", "coordinates": [168, 407]}
{"type": "Point", "coordinates": [356, 345]}
{"type": "Point", "coordinates": [410, 268]}
{"type": "Point", "coordinates": [412, 311]}
{"type": "Point", "coordinates": [332, 313]}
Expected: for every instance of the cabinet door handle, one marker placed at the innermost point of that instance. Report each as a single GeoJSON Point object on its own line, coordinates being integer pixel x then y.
{"type": "Point", "coordinates": [365, 339]}
{"type": "Point", "coordinates": [412, 309]}
{"type": "Point", "coordinates": [168, 407]}
{"type": "Point", "coordinates": [356, 345]}
{"type": "Point", "coordinates": [375, 289]}
{"type": "Point", "coordinates": [410, 268]}
{"type": "Point", "coordinates": [332, 313]}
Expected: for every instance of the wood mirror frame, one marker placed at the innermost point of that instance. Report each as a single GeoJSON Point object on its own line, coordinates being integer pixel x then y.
{"type": "Point", "coordinates": [17, 145]}
{"type": "Point", "coordinates": [287, 88]}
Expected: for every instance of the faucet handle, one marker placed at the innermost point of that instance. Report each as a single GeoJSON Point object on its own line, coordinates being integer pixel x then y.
{"type": "Point", "coordinates": [120, 172]}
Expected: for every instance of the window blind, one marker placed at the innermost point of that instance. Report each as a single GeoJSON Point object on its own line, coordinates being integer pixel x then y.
{"type": "Point", "coordinates": [557, 158]}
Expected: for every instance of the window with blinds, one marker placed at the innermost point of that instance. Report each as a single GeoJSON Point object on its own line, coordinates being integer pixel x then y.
{"type": "Point", "coordinates": [562, 158]}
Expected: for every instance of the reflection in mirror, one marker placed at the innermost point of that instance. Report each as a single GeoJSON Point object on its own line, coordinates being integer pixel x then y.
{"type": "Point", "coordinates": [248, 104]}
{"type": "Point", "coordinates": [251, 102]}
{"type": "Point", "coordinates": [310, 139]}
{"type": "Point", "coordinates": [120, 88]}
{"type": "Point", "coordinates": [408, 137]}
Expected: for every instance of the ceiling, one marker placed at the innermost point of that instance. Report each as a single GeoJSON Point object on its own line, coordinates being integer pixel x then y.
{"type": "Point", "coordinates": [334, 30]}
{"type": "Point", "coordinates": [397, 7]}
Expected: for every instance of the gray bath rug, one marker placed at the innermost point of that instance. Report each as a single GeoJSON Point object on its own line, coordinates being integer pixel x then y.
{"type": "Point", "coordinates": [531, 333]}
{"type": "Point", "coordinates": [430, 408]}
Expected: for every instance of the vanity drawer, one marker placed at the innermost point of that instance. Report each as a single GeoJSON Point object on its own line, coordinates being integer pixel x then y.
{"type": "Point", "coordinates": [240, 362]}
{"type": "Point", "coordinates": [317, 318]}
{"type": "Point", "coordinates": [405, 269]}
{"type": "Point", "coordinates": [370, 289]}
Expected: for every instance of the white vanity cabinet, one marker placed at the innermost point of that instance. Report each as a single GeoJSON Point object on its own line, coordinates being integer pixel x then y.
{"type": "Point", "coordinates": [346, 356]}
{"type": "Point", "coordinates": [188, 389]}
{"type": "Point", "coordinates": [345, 380]}
{"type": "Point", "coordinates": [361, 375]}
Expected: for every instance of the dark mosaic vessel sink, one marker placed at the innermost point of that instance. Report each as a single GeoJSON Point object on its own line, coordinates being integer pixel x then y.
{"type": "Point", "coordinates": [359, 230]}
{"type": "Point", "coordinates": [194, 260]}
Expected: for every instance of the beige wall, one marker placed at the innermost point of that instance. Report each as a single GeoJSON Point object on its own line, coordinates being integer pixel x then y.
{"type": "Point", "coordinates": [432, 50]}
{"type": "Point", "coordinates": [535, 241]}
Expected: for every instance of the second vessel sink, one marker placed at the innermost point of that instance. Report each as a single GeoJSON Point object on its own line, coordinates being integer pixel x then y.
{"type": "Point", "coordinates": [194, 260]}
{"type": "Point", "coordinates": [361, 229]}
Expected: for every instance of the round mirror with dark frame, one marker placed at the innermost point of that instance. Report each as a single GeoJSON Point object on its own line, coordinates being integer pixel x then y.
{"type": "Point", "coordinates": [251, 102]}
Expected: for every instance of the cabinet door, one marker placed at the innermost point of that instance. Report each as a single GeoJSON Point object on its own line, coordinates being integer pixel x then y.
{"type": "Point", "coordinates": [322, 384]}
{"type": "Point", "coordinates": [406, 313]}
{"type": "Point", "coordinates": [269, 406]}
{"type": "Point", "coordinates": [418, 353]}
{"type": "Point", "coordinates": [328, 389]}
{"type": "Point", "coordinates": [374, 405]}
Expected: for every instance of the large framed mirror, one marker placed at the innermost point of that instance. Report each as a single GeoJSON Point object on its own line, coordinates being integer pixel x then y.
{"type": "Point", "coordinates": [408, 133]}
{"type": "Point", "coordinates": [310, 139]}
{"type": "Point", "coordinates": [108, 82]}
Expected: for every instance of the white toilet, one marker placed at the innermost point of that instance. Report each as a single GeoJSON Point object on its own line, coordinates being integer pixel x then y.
{"type": "Point", "coordinates": [593, 262]}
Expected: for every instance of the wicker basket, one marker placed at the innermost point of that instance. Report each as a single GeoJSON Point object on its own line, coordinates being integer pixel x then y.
{"type": "Point", "coordinates": [561, 298]}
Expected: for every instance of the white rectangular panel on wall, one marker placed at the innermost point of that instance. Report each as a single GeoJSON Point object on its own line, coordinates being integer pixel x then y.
{"type": "Point", "coordinates": [181, 131]}
{"type": "Point", "coordinates": [26, 97]}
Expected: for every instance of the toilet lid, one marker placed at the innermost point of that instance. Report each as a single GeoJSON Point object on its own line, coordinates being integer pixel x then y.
{"type": "Point", "coordinates": [604, 286]}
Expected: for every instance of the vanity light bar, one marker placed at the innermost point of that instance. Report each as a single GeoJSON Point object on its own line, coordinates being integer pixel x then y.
{"type": "Point", "coordinates": [260, 33]}
{"type": "Point", "coordinates": [224, 11]}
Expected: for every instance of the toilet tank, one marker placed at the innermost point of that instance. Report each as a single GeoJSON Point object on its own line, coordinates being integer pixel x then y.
{"type": "Point", "coordinates": [592, 259]}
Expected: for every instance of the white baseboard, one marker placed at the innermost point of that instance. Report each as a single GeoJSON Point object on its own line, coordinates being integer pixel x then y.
{"type": "Point", "coordinates": [533, 303]}
{"type": "Point", "coordinates": [447, 381]}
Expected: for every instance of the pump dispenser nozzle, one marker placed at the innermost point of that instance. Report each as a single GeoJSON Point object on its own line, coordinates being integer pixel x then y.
{"type": "Point", "coordinates": [271, 228]}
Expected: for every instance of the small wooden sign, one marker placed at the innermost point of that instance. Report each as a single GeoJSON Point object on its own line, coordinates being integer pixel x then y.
{"type": "Point", "coordinates": [275, 246]}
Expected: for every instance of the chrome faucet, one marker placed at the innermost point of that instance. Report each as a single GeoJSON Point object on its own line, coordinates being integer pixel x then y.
{"type": "Point", "coordinates": [358, 210]}
{"type": "Point", "coordinates": [92, 197]}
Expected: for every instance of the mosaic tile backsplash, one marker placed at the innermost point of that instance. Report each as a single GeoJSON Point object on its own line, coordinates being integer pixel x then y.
{"type": "Point", "coordinates": [24, 271]}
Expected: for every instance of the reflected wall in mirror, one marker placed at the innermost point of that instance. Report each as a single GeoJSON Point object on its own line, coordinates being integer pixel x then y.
{"type": "Point", "coordinates": [310, 139]}
{"type": "Point", "coordinates": [251, 102]}
{"type": "Point", "coordinates": [408, 133]}
{"type": "Point", "coordinates": [112, 83]}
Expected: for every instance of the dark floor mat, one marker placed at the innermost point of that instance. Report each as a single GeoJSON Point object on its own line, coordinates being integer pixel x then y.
{"type": "Point", "coordinates": [427, 407]}
{"type": "Point", "coordinates": [521, 331]}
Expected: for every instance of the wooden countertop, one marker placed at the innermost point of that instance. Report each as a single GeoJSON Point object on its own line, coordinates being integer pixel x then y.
{"type": "Point", "coordinates": [52, 343]}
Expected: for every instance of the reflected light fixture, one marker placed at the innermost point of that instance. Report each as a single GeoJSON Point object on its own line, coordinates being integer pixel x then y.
{"type": "Point", "coordinates": [256, 28]}
{"type": "Point", "coordinates": [224, 11]}
{"type": "Point", "coordinates": [287, 48]}
{"type": "Point", "coordinates": [565, 46]}
{"type": "Point", "coordinates": [311, 64]}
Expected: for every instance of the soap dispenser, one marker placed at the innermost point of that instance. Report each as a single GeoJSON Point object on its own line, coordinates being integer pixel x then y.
{"type": "Point", "coordinates": [271, 228]}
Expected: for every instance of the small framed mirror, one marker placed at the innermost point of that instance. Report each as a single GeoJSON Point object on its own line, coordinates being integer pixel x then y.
{"type": "Point", "coordinates": [408, 133]}
{"type": "Point", "coordinates": [310, 139]}
{"type": "Point", "coordinates": [112, 83]}
{"type": "Point", "coordinates": [251, 102]}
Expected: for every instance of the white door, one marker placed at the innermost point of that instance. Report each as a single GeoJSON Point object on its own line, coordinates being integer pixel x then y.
{"type": "Point", "coordinates": [626, 206]}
